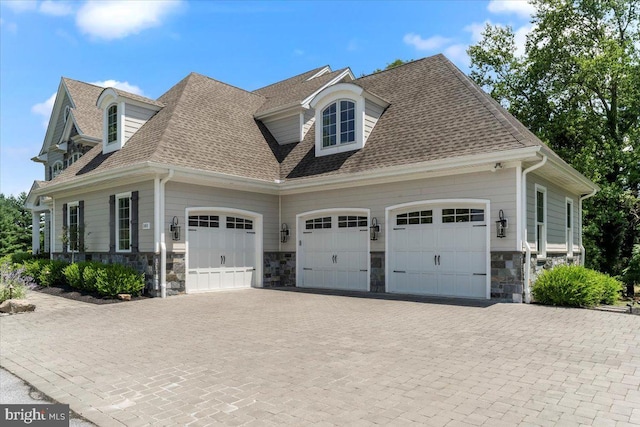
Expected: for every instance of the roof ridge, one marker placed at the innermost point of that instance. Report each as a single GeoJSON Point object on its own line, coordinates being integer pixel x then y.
{"type": "Point", "coordinates": [293, 77]}
{"type": "Point", "coordinates": [80, 81]}
{"type": "Point", "coordinates": [193, 73]}
{"type": "Point", "coordinates": [413, 61]}
{"type": "Point", "coordinates": [169, 110]}
{"type": "Point", "coordinates": [494, 108]}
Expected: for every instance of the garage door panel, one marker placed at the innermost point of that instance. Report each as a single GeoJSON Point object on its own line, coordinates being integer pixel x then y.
{"type": "Point", "coordinates": [443, 255]}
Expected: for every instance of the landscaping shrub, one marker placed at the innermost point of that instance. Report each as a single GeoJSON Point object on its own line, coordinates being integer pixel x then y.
{"type": "Point", "coordinates": [16, 277]}
{"type": "Point", "coordinates": [89, 275]}
{"type": "Point", "coordinates": [117, 279]}
{"type": "Point", "coordinates": [52, 273]}
{"type": "Point", "coordinates": [34, 268]}
{"type": "Point", "coordinates": [21, 257]}
{"type": "Point", "coordinates": [73, 275]}
{"type": "Point", "coordinates": [575, 286]}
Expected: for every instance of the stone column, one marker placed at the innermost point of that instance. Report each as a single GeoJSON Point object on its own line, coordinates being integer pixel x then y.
{"type": "Point", "coordinates": [35, 232]}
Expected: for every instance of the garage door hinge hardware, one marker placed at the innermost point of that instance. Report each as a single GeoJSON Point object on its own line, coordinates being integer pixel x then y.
{"type": "Point", "coordinates": [251, 232]}
{"type": "Point", "coordinates": [479, 274]}
{"type": "Point", "coordinates": [399, 228]}
{"type": "Point", "coordinates": [483, 225]}
{"type": "Point", "coordinates": [306, 232]}
{"type": "Point", "coordinates": [399, 271]}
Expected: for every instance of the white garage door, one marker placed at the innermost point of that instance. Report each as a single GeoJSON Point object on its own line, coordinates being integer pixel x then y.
{"type": "Point", "coordinates": [439, 251]}
{"type": "Point", "coordinates": [221, 250]}
{"type": "Point", "coordinates": [334, 252]}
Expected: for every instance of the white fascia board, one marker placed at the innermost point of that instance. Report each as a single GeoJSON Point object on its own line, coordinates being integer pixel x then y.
{"type": "Point", "coordinates": [325, 70]}
{"type": "Point", "coordinates": [441, 167]}
{"type": "Point", "coordinates": [55, 112]}
{"type": "Point", "coordinates": [331, 82]}
{"type": "Point", "coordinates": [279, 112]}
{"type": "Point", "coordinates": [137, 103]}
{"type": "Point", "coordinates": [216, 179]}
{"type": "Point", "coordinates": [568, 170]}
{"type": "Point", "coordinates": [42, 158]}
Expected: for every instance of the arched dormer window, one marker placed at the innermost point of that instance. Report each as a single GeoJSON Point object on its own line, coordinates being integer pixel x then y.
{"type": "Point", "coordinates": [57, 168]}
{"type": "Point", "coordinates": [112, 124]}
{"type": "Point", "coordinates": [339, 123]}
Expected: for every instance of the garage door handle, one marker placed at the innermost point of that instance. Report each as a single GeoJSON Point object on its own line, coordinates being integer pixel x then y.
{"type": "Point", "coordinates": [399, 271]}
{"type": "Point", "coordinates": [435, 260]}
{"type": "Point", "coordinates": [479, 274]}
{"type": "Point", "coordinates": [438, 259]}
{"type": "Point", "coordinates": [364, 270]}
{"type": "Point", "coordinates": [307, 268]}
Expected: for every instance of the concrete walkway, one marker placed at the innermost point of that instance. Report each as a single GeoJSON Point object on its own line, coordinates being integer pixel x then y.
{"type": "Point", "coordinates": [263, 357]}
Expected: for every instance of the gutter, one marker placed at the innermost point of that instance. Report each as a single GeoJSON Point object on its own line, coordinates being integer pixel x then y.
{"type": "Point", "coordinates": [527, 261]}
{"type": "Point", "coordinates": [582, 250]}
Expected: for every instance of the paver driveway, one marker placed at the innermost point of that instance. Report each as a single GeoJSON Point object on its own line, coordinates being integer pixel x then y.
{"type": "Point", "coordinates": [265, 357]}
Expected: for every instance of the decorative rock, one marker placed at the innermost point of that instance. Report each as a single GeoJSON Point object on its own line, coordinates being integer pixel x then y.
{"type": "Point", "coordinates": [124, 297]}
{"type": "Point", "coordinates": [13, 306]}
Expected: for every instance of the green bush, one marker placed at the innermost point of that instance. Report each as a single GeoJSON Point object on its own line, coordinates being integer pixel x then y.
{"type": "Point", "coordinates": [89, 275]}
{"type": "Point", "coordinates": [117, 279]}
{"type": "Point", "coordinates": [21, 257]}
{"type": "Point", "coordinates": [74, 274]}
{"type": "Point", "coordinates": [34, 268]}
{"type": "Point", "coordinates": [52, 273]}
{"type": "Point", "coordinates": [575, 286]}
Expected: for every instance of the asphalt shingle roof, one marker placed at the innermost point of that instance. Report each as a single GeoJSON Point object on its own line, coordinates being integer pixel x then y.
{"type": "Point", "coordinates": [88, 116]}
{"type": "Point", "coordinates": [435, 112]}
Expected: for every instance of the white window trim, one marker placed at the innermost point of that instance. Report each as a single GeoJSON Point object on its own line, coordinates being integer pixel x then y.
{"type": "Point", "coordinates": [115, 141]}
{"type": "Point", "coordinates": [117, 227]}
{"type": "Point", "coordinates": [69, 206]}
{"type": "Point", "coordinates": [108, 147]}
{"type": "Point", "coordinates": [338, 124]}
{"type": "Point", "coordinates": [53, 168]}
{"type": "Point", "coordinates": [542, 251]}
{"type": "Point", "coordinates": [336, 96]}
{"type": "Point", "coordinates": [569, 238]}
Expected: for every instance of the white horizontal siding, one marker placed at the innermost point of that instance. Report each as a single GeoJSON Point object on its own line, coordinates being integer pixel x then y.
{"type": "Point", "coordinates": [96, 217]}
{"type": "Point", "coordinates": [134, 117]}
{"type": "Point", "coordinates": [372, 113]}
{"type": "Point", "coordinates": [286, 130]}
{"type": "Point", "coordinates": [59, 124]}
{"type": "Point", "coordinates": [556, 215]}
{"type": "Point", "coordinates": [498, 187]}
{"type": "Point", "coordinates": [180, 196]}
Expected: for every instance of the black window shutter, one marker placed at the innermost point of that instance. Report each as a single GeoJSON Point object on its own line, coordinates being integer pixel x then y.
{"type": "Point", "coordinates": [81, 226]}
{"type": "Point", "coordinates": [64, 226]}
{"type": "Point", "coordinates": [134, 221]}
{"type": "Point", "coordinates": [112, 223]}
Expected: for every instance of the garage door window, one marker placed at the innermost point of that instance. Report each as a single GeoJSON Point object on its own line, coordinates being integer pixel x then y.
{"type": "Point", "coordinates": [210, 221]}
{"type": "Point", "coordinates": [318, 223]}
{"type": "Point", "coordinates": [352, 221]}
{"type": "Point", "coordinates": [239, 223]}
{"type": "Point", "coordinates": [418, 217]}
{"type": "Point", "coordinates": [462, 215]}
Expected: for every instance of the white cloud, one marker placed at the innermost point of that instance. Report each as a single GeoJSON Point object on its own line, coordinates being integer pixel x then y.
{"type": "Point", "coordinates": [110, 20]}
{"type": "Point", "coordinates": [521, 8]}
{"type": "Point", "coordinates": [11, 27]}
{"type": "Point", "coordinates": [126, 86]}
{"type": "Point", "coordinates": [56, 8]}
{"type": "Point", "coordinates": [458, 53]}
{"type": "Point", "coordinates": [19, 6]}
{"type": "Point", "coordinates": [476, 29]}
{"type": "Point", "coordinates": [520, 38]}
{"type": "Point", "coordinates": [432, 43]}
{"type": "Point", "coordinates": [44, 108]}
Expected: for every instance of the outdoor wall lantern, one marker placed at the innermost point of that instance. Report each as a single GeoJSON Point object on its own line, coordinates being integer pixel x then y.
{"type": "Point", "coordinates": [175, 229]}
{"type": "Point", "coordinates": [374, 229]}
{"type": "Point", "coordinates": [501, 225]}
{"type": "Point", "coordinates": [284, 233]}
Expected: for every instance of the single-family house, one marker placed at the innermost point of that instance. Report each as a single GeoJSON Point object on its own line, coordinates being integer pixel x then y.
{"type": "Point", "coordinates": [411, 180]}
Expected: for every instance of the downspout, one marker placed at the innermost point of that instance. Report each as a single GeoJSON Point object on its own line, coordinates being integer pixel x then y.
{"type": "Point", "coordinates": [163, 244]}
{"type": "Point", "coordinates": [525, 242]}
{"type": "Point", "coordinates": [582, 250]}
{"type": "Point", "coordinates": [156, 232]}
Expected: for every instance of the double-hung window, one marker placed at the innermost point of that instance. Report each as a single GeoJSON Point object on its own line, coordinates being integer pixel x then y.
{"type": "Point", "coordinates": [339, 123]}
{"type": "Point", "coordinates": [569, 226]}
{"type": "Point", "coordinates": [112, 124]}
{"type": "Point", "coordinates": [123, 222]}
{"type": "Point", "coordinates": [73, 226]}
{"type": "Point", "coordinates": [541, 218]}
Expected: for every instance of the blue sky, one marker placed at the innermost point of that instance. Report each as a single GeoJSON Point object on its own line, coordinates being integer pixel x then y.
{"type": "Point", "coordinates": [146, 47]}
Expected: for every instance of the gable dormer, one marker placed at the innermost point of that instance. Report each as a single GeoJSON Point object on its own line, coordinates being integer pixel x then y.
{"type": "Point", "coordinates": [122, 115]}
{"type": "Point", "coordinates": [345, 115]}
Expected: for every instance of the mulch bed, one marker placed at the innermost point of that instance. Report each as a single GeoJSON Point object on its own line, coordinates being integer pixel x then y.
{"type": "Point", "coordinates": [75, 294]}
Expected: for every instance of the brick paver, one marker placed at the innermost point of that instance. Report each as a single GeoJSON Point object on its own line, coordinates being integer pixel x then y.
{"type": "Point", "coordinates": [264, 357]}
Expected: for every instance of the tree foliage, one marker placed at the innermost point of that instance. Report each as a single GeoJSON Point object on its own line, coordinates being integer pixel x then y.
{"type": "Point", "coordinates": [577, 86]}
{"type": "Point", "coordinates": [393, 64]}
{"type": "Point", "coordinates": [15, 225]}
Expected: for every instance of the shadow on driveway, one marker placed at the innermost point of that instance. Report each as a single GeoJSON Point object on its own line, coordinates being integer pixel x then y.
{"type": "Point", "coordinates": [461, 302]}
